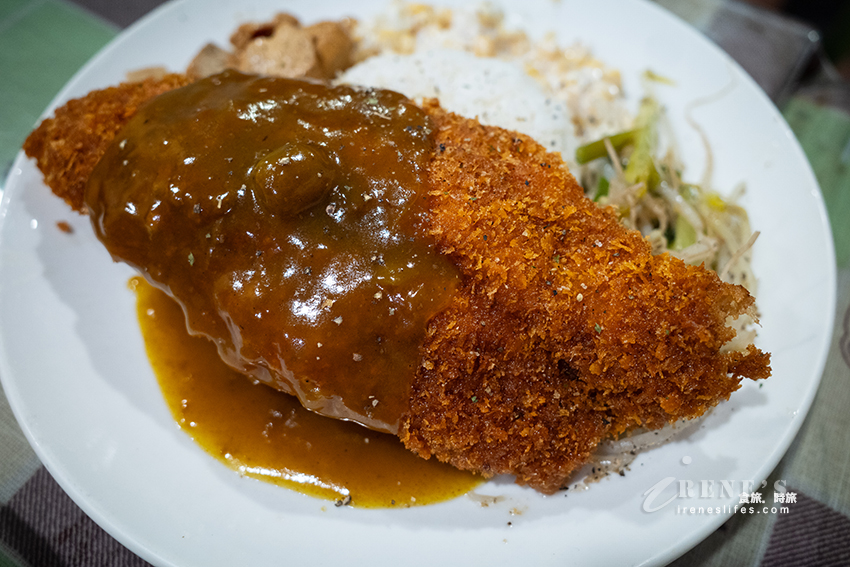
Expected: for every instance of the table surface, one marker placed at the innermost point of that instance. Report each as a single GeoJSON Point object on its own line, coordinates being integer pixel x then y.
{"type": "Point", "coordinates": [43, 42]}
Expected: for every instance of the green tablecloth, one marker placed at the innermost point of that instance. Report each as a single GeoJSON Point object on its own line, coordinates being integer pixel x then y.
{"type": "Point", "coordinates": [43, 42]}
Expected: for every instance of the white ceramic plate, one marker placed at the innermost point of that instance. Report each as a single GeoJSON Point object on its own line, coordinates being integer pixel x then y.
{"type": "Point", "coordinates": [74, 369]}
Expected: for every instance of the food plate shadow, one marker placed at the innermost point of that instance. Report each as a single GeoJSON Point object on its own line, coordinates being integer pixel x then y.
{"type": "Point", "coordinates": [79, 271]}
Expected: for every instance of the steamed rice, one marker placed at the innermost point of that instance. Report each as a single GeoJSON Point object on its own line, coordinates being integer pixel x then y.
{"type": "Point", "coordinates": [496, 92]}
{"type": "Point", "coordinates": [477, 66]}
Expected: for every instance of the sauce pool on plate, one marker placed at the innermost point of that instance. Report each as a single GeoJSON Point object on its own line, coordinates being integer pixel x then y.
{"type": "Point", "coordinates": [266, 434]}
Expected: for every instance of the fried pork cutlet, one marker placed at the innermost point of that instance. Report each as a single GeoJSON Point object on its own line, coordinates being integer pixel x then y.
{"type": "Point", "coordinates": [566, 330]}
{"type": "Point", "coordinates": [563, 330]}
{"type": "Point", "coordinates": [68, 146]}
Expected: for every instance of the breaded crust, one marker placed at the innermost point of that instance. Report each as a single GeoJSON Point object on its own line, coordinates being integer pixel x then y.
{"type": "Point", "coordinates": [566, 330]}
{"type": "Point", "coordinates": [67, 146]}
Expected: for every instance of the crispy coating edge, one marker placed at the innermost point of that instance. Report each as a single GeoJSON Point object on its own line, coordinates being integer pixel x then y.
{"type": "Point", "coordinates": [67, 146]}
{"type": "Point", "coordinates": [566, 330]}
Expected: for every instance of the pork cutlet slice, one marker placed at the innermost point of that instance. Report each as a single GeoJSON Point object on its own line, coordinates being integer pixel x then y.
{"type": "Point", "coordinates": [566, 330]}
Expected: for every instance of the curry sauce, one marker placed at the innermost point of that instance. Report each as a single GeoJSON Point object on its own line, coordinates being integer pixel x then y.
{"type": "Point", "coordinates": [266, 434]}
{"type": "Point", "coordinates": [286, 218]}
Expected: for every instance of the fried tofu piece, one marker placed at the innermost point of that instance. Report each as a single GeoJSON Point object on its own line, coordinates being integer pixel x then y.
{"type": "Point", "coordinates": [281, 47]}
{"type": "Point", "coordinates": [251, 31]}
{"type": "Point", "coordinates": [288, 52]}
{"type": "Point", "coordinates": [565, 330]}
{"type": "Point", "coordinates": [209, 61]}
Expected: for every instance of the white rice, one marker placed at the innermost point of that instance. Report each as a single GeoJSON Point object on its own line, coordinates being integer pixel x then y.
{"type": "Point", "coordinates": [478, 67]}
{"type": "Point", "coordinates": [496, 92]}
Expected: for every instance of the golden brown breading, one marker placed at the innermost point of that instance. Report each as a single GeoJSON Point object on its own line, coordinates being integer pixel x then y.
{"type": "Point", "coordinates": [565, 330]}
{"type": "Point", "coordinates": [67, 146]}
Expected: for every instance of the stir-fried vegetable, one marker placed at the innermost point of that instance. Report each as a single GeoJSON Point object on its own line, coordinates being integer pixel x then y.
{"type": "Point", "coordinates": [596, 150]}
{"type": "Point", "coordinates": [684, 234]}
{"type": "Point", "coordinates": [641, 166]}
{"type": "Point", "coordinates": [626, 171]}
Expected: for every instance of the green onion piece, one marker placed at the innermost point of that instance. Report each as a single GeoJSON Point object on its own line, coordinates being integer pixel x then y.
{"type": "Point", "coordinates": [653, 76]}
{"type": "Point", "coordinates": [596, 150]}
{"type": "Point", "coordinates": [641, 166]}
{"type": "Point", "coordinates": [685, 234]}
{"type": "Point", "coordinates": [690, 192]}
{"type": "Point", "coordinates": [601, 188]}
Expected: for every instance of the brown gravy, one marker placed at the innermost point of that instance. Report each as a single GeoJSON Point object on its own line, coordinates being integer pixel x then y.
{"type": "Point", "coordinates": [285, 217]}
{"type": "Point", "coordinates": [266, 434]}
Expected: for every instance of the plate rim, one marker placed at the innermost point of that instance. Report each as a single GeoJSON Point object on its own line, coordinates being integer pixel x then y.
{"type": "Point", "coordinates": [102, 518]}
